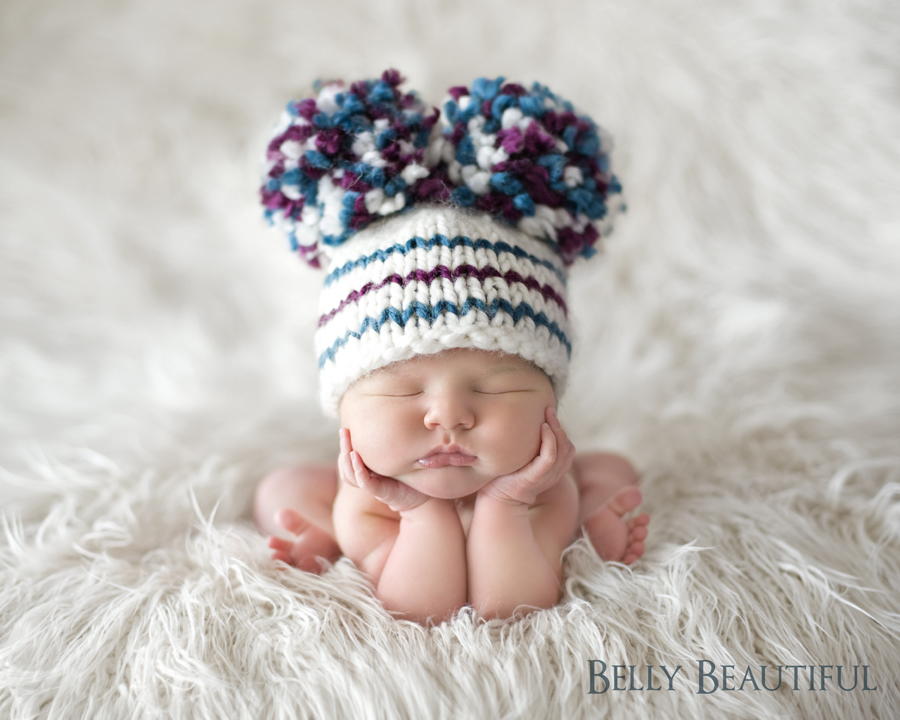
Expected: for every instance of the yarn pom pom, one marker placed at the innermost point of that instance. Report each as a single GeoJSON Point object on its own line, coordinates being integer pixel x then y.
{"type": "Point", "coordinates": [346, 157]}
{"type": "Point", "coordinates": [526, 156]}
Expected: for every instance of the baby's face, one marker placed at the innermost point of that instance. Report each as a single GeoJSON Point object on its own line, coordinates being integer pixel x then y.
{"type": "Point", "coordinates": [490, 404]}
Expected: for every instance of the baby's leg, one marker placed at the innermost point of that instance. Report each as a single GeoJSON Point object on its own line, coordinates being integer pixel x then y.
{"type": "Point", "coordinates": [607, 485]}
{"type": "Point", "coordinates": [298, 501]}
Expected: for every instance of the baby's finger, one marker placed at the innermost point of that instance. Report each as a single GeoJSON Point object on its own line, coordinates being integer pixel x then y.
{"type": "Point", "coordinates": [550, 445]}
{"type": "Point", "coordinates": [346, 442]}
{"type": "Point", "coordinates": [553, 419]}
{"type": "Point", "coordinates": [343, 468]}
{"type": "Point", "coordinates": [566, 448]}
{"type": "Point", "coordinates": [539, 467]}
{"type": "Point", "coordinates": [545, 458]}
{"type": "Point", "coordinates": [360, 475]}
{"type": "Point", "coordinates": [347, 474]}
{"type": "Point", "coordinates": [567, 451]}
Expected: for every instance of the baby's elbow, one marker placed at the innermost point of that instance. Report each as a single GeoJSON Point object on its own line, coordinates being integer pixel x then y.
{"type": "Point", "coordinates": [425, 603]}
{"type": "Point", "coordinates": [503, 608]}
{"type": "Point", "coordinates": [433, 613]}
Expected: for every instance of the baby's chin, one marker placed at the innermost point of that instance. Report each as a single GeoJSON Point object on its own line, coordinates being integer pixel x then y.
{"type": "Point", "coordinates": [446, 483]}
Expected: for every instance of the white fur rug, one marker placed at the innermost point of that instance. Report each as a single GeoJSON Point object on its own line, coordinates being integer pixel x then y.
{"type": "Point", "coordinates": [740, 341]}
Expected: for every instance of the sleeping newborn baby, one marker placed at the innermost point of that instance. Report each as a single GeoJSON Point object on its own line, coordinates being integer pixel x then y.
{"type": "Point", "coordinates": [455, 484]}
{"type": "Point", "coordinates": [443, 340]}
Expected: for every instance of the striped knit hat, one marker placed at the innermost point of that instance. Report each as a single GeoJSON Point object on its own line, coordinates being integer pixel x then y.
{"type": "Point", "coordinates": [439, 229]}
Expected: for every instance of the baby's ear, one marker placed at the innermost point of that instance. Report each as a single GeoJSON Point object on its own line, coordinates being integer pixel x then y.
{"type": "Point", "coordinates": [350, 154]}
{"type": "Point", "coordinates": [528, 157]}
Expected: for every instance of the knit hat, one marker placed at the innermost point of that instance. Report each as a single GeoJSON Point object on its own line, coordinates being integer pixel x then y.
{"type": "Point", "coordinates": [439, 229]}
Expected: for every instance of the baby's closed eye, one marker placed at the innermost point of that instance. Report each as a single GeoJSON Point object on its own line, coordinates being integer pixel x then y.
{"type": "Point", "coordinates": [502, 392]}
{"type": "Point", "coordinates": [478, 391]}
{"type": "Point", "coordinates": [393, 390]}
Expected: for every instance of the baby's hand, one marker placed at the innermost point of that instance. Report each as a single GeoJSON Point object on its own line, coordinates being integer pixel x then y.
{"type": "Point", "coordinates": [549, 466]}
{"type": "Point", "coordinates": [398, 496]}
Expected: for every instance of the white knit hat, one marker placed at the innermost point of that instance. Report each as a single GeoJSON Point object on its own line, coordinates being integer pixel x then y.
{"type": "Point", "coordinates": [437, 278]}
{"type": "Point", "coordinates": [452, 229]}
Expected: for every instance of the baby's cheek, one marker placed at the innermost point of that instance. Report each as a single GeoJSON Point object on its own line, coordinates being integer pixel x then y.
{"type": "Point", "coordinates": [385, 454]}
{"type": "Point", "coordinates": [378, 459]}
{"type": "Point", "coordinates": [515, 448]}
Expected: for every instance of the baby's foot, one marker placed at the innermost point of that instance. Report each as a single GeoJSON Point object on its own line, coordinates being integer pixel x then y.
{"type": "Point", "coordinates": [613, 537]}
{"type": "Point", "coordinates": [309, 543]}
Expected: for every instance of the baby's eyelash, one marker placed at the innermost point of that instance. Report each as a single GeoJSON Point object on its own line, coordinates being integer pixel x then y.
{"type": "Point", "coordinates": [502, 392]}
{"type": "Point", "coordinates": [478, 392]}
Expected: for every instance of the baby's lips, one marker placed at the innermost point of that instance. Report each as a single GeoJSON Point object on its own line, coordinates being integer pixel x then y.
{"type": "Point", "coordinates": [447, 459]}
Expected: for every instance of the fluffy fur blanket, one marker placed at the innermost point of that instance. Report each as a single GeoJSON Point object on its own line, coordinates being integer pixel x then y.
{"type": "Point", "coordinates": [739, 340]}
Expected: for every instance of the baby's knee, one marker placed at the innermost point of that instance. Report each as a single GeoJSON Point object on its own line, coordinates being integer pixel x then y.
{"type": "Point", "coordinates": [606, 463]}
{"type": "Point", "coordinates": [294, 474]}
{"type": "Point", "coordinates": [308, 489]}
{"type": "Point", "coordinates": [277, 480]}
{"type": "Point", "coordinates": [314, 481]}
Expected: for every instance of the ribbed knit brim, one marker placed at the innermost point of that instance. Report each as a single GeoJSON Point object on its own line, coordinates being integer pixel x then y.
{"type": "Point", "coordinates": [435, 278]}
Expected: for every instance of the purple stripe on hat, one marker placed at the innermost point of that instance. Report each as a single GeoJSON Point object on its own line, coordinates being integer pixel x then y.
{"type": "Point", "coordinates": [443, 271]}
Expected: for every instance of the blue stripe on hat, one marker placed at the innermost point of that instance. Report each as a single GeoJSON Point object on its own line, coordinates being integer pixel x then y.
{"type": "Point", "coordinates": [432, 312]}
{"type": "Point", "coordinates": [438, 239]}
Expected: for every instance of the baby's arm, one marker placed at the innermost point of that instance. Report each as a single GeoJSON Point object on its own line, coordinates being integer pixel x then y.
{"type": "Point", "coordinates": [521, 524]}
{"type": "Point", "coordinates": [412, 546]}
{"type": "Point", "coordinates": [425, 571]}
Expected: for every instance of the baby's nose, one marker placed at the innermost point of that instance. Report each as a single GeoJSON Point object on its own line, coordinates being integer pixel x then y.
{"type": "Point", "coordinates": [449, 412]}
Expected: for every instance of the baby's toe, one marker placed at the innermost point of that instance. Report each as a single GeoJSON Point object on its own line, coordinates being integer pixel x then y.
{"type": "Point", "coordinates": [625, 500]}
{"type": "Point", "coordinates": [639, 533]}
{"type": "Point", "coordinates": [283, 556]}
{"type": "Point", "coordinates": [635, 550]}
{"type": "Point", "coordinates": [307, 563]}
{"type": "Point", "coordinates": [291, 521]}
{"type": "Point", "coordinates": [310, 545]}
{"type": "Point", "coordinates": [279, 544]}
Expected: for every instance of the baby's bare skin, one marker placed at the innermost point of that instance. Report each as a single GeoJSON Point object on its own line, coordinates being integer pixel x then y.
{"type": "Point", "coordinates": [490, 533]}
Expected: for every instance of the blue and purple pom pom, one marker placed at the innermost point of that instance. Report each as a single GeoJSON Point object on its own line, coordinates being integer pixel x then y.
{"type": "Point", "coordinates": [351, 155]}
{"type": "Point", "coordinates": [342, 159]}
{"type": "Point", "coordinates": [528, 157]}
